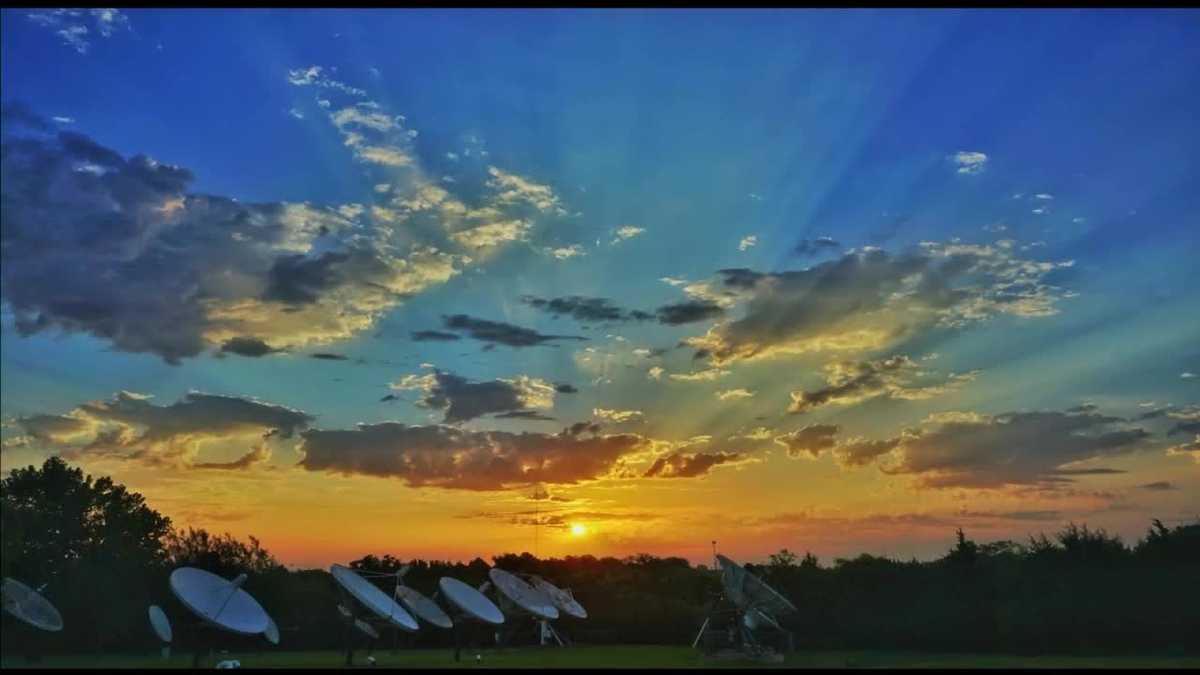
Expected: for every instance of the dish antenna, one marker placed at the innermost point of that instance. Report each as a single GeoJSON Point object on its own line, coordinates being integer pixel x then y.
{"type": "Point", "coordinates": [562, 599]}
{"type": "Point", "coordinates": [369, 596]}
{"type": "Point", "coordinates": [424, 608]}
{"type": "Point", "coordinates": [467, 604]}
{"type": "Point", "coordinates": [272, 632]}
{"type": "Point", "coordinates": [517, 596]}
{"type": "Point", "coordinates": [378, 603]}
{"type": "Point", "coordinates": [218, 602]}
{"type": "Point", "coordinates": [159, 623]}
{"type": "Point", "coordinates": [752, 605]}
{"type": "Point", "coordinates": [161, 627]}
{"type": "Point", "coordinates": [29, 606]}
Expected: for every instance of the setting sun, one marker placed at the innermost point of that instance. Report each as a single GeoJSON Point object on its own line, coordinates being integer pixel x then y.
{"type": "Point", "coordinates": [578, 530]}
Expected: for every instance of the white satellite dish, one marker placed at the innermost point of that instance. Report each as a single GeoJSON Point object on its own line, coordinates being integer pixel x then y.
{"type": "Point", "coordinates": [749, 592]}
{"type": "Point", "coordinates": [159, 623]}
{"type": "Point", "coordinates": [366, 628]}
{"type": "Point", "coordinates": [29, 606]}
{"type": "Point", "coordinates": [561, 599]}
{"type": "Point", "coordinates": [272, 632]}
{"type": "Point", "coordinates": [423, 607]}
{"type": "Point", "coordinates": [470, 601]}
{"type": "Point", "coordinates": [219, 601]}
{"type": "Point", "coordinates": [522, 594]}
{"type": "Point", "coordinates": [372, 598]}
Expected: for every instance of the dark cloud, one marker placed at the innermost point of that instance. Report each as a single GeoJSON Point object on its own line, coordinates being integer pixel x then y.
{"type": "Point", "coordinates": [867, 300]}
{"type": "Point", "coordinates": [974, 450]}
{"type": "Point", "coordinates": [449, 457]}
{"type": "Point", "coordinates": [502, 333]}
{"type": "Point", "coordinates": [688, 311]}
{"type": "Point", "coordinates": [580, 308]}
{"type": "Point", "coordinates": [565, 388]}
{"type": "Point", "coordinates": [524, 415]}
{"type": "Point", "coordinates": [464, 400]}
{"type": "Point", "coordinates": [434, 336]}
{"type": "Point", "coordinates": [257, 456]}
{"type": "Point", "coordinates": [897, 377]}
{"type": "Point", "coordinates": [815, 247]}
{"type": "Point", "coordinates": [684, 465]}
{"type": "Point", "coordinates": [248, 346]}
{"type": "Point", "coordinates": [813, 439]}
{"type": "Point", "coordinates": [581, 427]}
{"type": "Point", "coordinates": [118, 248]}
{"type": "Point", "coordinates": [1158, 486]}
{"type": "Point", "coordinates": [327, 356]}
{"type": "Point", "coordinates": [131, 426]}
{"type": "Point", "coordinates": [389, 397]}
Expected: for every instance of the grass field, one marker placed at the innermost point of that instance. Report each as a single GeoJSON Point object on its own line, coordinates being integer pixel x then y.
{"type": "Point", "coordinates": [611, 657]}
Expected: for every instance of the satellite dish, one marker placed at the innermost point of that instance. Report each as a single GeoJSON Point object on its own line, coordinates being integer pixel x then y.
{"type": "Point", "coordinates": [561, 599]}
{"type": "Point", "coordinates": [29, 606]}
{"type": "Point", "coordinates": [219, 601]}
{"type": "Point", "coordinates": [749, 592]}
{"type": "Point", "coordinates": [372, 598]}
{"type": "Point", "coordinates": [367, 629]}
{"type": "Point", "coordinates": [470, 601]}
{"type": "Point", "coordinates": [522, 594]}
{"type": "Point", "coordinates": [423, 607]}
{"type": "Point", "coordinates": [159, 623]}
{"type": "Point", "coordinates": [272, 632]}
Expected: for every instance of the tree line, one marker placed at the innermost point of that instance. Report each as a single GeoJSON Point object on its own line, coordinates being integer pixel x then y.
{"type": "Point", "coordinates": [105, 556]}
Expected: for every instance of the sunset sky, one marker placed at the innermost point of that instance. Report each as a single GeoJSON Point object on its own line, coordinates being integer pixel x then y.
{"type": "Point", "coordinates": [408, 282]}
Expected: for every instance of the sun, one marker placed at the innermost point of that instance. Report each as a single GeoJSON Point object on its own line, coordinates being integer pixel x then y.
{"type": "Point", "coordinates": [578, 529]}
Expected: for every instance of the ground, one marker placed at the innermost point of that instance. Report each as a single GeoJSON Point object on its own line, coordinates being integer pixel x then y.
{"type": "Point", "coordinates": [615, 657]}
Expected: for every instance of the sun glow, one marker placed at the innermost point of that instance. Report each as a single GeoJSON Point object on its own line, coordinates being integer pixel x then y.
{"type": "Point", "coordinates": [578, 529]}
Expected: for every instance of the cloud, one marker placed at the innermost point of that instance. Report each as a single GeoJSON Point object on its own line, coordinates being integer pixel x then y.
{"type": "Point", "coordinates": [463, 400]}
{"type": "Point", "coordinates": [71, 25]}
{"type": "Point", "coordinates": [259, 455]}
{"type": "Point", "coordinates": [449, 457]}
{"type": "Point", "coordinates": [583, 309]}
{"type": "Point", "coordinates": [130, 426]}
{"type": "Point", "coordinates": [1187, 375]}
{"type": "Point", "coordinates": [747, 242]}
{"type": "Point", "coordinates": [565, 252]}
{"type": "Point", "coordinates": [524, 415]}
{"type": "Point", "coordinates": [248, 346]}
{"type": "Point", "coordinates": [688, 311]}
{"type": "Point", "coordinates": [655, 372]}
{"type": "Point", "coordinates": [970, 162]}
{"type": "Point", "coordinates": [977, 450]}
{"type": "Point", "coordinates": [816, 247]}
{"type": "Point", "coordinates": [627, 232]}
{"type": "Point", "coordinates": [434, 336]}
{"type": "Point", "coordinates": [707, 375]}
{"type": "Point", "coordinates": [896, 377]}
{"type": "Point", "coordinates": [734, 394]}
{"type": "Point", "coordinates": [566, 388]}
{"type": "Point", "coordinates": [512, 188]}
{"type": "Point", "coordinates": [97, 243]}
{"type": "Point", "coordinates": [1192, 448]}
{"type": "Point", "coordinates": [1158, 486]}
{"type": "Point", "coordinates": [500, 333]}
{"type": "Point", "coordinates": [315, 76]}
{"type": "Point", "coordinates": [813, 439]}
{"type": "Point", "coordinates": [868, 300]}
{"type": "Point", "coordinates": [617, 416]}
{"type": "Point", "coordinates": [682, 465]}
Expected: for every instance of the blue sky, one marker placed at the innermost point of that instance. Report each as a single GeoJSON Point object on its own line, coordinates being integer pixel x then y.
{"type": "Point", "coordinates": [724, 140]}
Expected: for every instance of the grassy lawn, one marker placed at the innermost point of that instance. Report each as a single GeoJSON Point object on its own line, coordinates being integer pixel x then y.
{"type": "Point", "coordinates": [612, 657]}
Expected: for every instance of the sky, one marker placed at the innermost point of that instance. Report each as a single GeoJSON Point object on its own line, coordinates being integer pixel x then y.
{"type": "Point", "coordinates": [449, 284]}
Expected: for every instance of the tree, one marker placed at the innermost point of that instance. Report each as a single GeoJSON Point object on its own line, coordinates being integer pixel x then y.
{"type": "Point", "coordinates": [91, 542]}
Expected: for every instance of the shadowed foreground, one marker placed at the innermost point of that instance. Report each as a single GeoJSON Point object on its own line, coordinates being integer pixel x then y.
{"type": "Point", "coordinates": [617, 657]}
